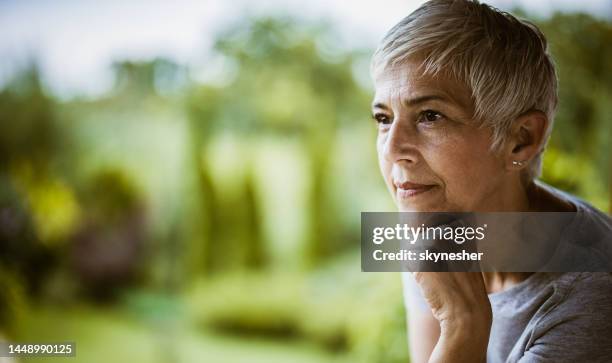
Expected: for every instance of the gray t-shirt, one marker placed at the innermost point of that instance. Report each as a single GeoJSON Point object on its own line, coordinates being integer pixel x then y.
{"type": "Point", "coordinates": [552, 317]}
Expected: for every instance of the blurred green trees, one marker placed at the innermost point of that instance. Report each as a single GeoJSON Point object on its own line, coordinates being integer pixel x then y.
{"type": "Point", "coordinates": [282, 88]}
{"type": "Point", "coordinates": [579, 157]}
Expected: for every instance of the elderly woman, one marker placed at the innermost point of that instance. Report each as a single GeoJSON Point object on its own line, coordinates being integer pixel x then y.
{"type": "Point", "coordinates": [465, 101]}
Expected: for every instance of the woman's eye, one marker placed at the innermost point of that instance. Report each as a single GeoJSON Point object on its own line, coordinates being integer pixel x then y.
{"type": "Point", "coordinates": [382, 119]}
{"type": "Point", "coordinates": [430, 116]}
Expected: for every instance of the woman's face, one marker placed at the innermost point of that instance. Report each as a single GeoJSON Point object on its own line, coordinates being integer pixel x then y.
{"type": "Point", "coordinates": [432, 155]}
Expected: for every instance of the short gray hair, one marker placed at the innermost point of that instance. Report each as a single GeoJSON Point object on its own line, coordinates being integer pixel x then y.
{"type": "Point", "coordinates": [504, 61]}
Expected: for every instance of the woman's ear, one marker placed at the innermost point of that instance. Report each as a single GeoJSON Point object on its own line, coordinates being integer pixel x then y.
{"type": "Point", "coordinates": [526, 139]}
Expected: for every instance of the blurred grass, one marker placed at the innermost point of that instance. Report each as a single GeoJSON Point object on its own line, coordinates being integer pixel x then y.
{"type": "Point", "coordinates": [340, 310]}
{"type": "Point", "coordinates": [333, 315]}
{"type": "Point", "coordinates": [112, 335]}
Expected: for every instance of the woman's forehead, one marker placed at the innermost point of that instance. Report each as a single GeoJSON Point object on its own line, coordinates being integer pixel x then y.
{"type": "Point", "coordinates": [408, 81]}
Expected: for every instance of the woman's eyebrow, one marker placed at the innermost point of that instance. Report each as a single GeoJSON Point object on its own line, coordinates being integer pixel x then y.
{"type": "Point", "coordinates": [425, 98]}
{"type": "Point", "coordinates": [417, 100]}
{"type": "Point", "coordinates": [380, 105]}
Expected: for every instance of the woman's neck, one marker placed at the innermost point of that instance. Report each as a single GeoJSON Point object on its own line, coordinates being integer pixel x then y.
{"type": "Point", "coordinates": [532, 198]}
{"type": "Point", "coordinates": [542, 200]}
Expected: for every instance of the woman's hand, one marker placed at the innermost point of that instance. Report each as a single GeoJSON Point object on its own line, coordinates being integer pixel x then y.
{"type": "Point", "coordinates": [459, 302]}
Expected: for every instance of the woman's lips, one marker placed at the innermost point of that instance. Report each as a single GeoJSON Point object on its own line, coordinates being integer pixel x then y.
{"type": "Point", "coordinates": [408, 190]}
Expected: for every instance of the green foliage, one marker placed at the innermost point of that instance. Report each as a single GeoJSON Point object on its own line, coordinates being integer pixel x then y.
{"type": "Point", "coordinates": [13, 302]}
{"type": "Point", "coordinates": [580, 144]}
{"type": "Point", "coordinates": [28, 124]}
{"type": "Point", "coordinates": [355, 314]}
{"type": "Point", "coordinates": [110, 196]}
{"type": "Point", "coordinates": [283, 85]}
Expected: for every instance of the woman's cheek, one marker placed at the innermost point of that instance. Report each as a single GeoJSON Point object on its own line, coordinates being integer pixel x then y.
{"type": "Point", "coordinates": [454, 170]}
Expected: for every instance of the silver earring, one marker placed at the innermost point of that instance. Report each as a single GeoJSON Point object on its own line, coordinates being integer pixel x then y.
{"type": "Point", "coordinates": [517, 163]}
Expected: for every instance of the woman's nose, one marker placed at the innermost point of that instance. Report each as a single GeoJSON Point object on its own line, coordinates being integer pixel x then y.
{"type": "Point", "coordinates": [400, 142]}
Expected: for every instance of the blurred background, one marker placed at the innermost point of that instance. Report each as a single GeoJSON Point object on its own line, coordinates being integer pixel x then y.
{"type": "Point", "coordinates": [182, 181]}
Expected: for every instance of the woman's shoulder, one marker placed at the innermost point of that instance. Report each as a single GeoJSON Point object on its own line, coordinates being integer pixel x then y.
{"type": "Point", "coordinates": [589, 221]}
{"type": "Point", "coordinates": [575, 327]}
{"type": "Point", "coordinates": [580, 300]}
{"type": "Point", "coordinates": [583, 305]}
{"type": "Point", "coordinates": [577, 286]}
